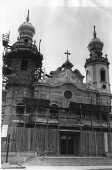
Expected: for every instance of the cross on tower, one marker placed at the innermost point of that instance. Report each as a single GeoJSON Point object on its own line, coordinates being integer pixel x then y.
{"type": "Point", "coordinates": [27, 18]}
{"type": "Point", "coordinates": [94, 33]}
{"type": "Point", "coordinates": [67, 53]}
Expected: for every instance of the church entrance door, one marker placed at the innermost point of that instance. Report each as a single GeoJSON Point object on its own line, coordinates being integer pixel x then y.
{"type": "Point", "coordinates": [69, 143]}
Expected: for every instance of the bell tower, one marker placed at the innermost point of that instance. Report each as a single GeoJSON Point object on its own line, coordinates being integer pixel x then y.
{"type": "Point", "coordinates": [97, 66]}
{"type": "Point", "coordinates": [23, 58]}
{"type": "Point", "coordinates": [22, 63]}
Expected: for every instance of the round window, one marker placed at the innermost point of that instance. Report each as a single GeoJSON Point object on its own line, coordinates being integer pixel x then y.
{"type": "Point", "coordinates": [68, 94]}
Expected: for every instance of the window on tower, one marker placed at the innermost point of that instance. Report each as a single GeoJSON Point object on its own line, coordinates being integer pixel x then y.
{"type": "Point", "coordinates": [102, 75]}
{"type": "Point", "coordinates": [88, 76]}
{"type": "Point", "coordinates": [24, 65]}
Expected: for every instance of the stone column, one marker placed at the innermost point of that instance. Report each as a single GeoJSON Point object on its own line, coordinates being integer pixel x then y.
{"type": "Point", "coordinates": [106, 142]}
{"type": "Point", "coordinates": [58, 142]}
{"type": "Point", "coordinates": [29, 138]}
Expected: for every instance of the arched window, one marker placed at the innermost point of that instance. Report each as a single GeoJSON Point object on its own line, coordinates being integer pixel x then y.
{"type": "Point", "coordinates": [87, 73]}
{"type": "Point", "coordinates": [88, 76]}
{"type": "Point", "coordinates": [102, 75]}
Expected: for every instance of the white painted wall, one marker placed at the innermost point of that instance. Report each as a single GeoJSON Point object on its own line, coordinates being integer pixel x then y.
{"type": "Point", "coordinates": [94, 78]}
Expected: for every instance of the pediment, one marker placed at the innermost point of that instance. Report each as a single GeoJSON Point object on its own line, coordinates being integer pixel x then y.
{"type": "Point", "coordinates": [64, 76]}
{"type": "Point", "coordinates": [56, 92]}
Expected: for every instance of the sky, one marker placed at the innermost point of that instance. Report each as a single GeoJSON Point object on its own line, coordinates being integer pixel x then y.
{"type": "Point", "coordinates": [62, 25]}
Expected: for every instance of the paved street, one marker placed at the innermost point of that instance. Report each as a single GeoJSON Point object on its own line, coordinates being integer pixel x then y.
{"type": "Point", "coordinates": [70, 167]}
{"type": "Point", "coordinates": [69, 161]}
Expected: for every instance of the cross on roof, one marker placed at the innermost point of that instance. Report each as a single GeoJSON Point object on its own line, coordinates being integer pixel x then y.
{"type": "Point", "coordinates": [67, 53]}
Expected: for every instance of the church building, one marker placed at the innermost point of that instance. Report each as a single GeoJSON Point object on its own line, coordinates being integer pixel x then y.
{"type": "Point", "coordinates": [56, 113]}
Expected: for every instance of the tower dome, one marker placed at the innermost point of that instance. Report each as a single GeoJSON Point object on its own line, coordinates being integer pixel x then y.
{"type": "Point", "coordinates": [26, 29]}
{"type": "Point", "coordinates": [95, 46]}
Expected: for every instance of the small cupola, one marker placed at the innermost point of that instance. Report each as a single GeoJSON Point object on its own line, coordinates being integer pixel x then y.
{"type": "Point", "coordinates": [67, 64]}
{"type": "Point", "coordinates": [26, 30]}
{"type": "Point", "coordinates": [25, 39]}
{"type": "Point", "coordinates": [95, 46]}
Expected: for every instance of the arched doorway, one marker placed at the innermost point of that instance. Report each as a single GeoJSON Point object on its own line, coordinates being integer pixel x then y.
{"type": "Point", "coordinates": [69, 143]}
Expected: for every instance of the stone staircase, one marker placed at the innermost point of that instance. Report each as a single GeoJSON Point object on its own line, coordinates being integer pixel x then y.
{"type": "Point", "coordinates": [68, 161]}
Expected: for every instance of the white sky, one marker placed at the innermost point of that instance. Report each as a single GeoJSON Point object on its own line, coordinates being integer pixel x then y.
{"type": "Point", "coordinates": [62, 25]}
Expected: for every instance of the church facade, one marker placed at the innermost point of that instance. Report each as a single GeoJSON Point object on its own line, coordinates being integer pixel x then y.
{"type": "Point", "coordinates": [56, 114]}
